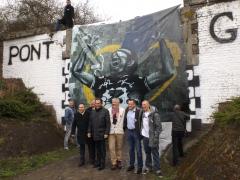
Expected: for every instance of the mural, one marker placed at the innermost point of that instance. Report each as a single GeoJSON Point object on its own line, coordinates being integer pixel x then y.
{"type": "Point", "coordinates": [139, 59]}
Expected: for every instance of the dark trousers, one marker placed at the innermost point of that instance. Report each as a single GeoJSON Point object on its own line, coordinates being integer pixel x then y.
{"type": "Point", "coordinates": [66, 22]}
{"type": "Point", "coordinates": [91, 150]}
{"type": "Point", "coordinates": [82, 152]}
{"type": "Point", "coordinates": [134, 142]}
{"type": "Point", "coordinates": [101, 152]}
{"type": "Point", "coordinates": [151, 153]}
{"type": "Point", "coordinates": [177, 147]}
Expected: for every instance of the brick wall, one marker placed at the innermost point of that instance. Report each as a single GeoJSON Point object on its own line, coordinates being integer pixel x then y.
{"type": "Point", "coordinates": [43, 73]}
{"type": "Point", "coordinates": [219, 62]}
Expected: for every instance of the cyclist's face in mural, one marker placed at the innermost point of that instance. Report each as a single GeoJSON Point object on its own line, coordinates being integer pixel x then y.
{"type": "Point", "coordinates": [122, 62]}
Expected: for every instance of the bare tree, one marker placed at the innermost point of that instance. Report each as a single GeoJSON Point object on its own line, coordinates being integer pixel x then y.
{"type": "Point", "coordinates": [26, 14]}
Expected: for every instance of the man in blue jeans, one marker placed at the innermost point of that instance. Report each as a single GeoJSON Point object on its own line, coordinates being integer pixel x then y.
{"type": "Point", "coordinates": [68, 117]}
{"type": "Point", "coordinates": [132, 123]}
{"type": "Point", "coordinates": [151, 129]}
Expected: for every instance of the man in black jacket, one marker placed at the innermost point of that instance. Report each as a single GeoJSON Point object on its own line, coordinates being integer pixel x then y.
{"type": "Point", "coordinates": [178, 130]}
{"type": "Point", "coordinates": [99, 127]}
{"type": "Point", "coordinates": [68, 17]}
{"type": "Point", "coordinates": [132, 123]}
{"type": "Point", "coordinates": [90, 142]}
{"type": "Point", "coordinates": [81, 119]}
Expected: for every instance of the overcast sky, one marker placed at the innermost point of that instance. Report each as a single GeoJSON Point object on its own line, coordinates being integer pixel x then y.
{"type": "Point", "coordinates": [127, 9]}
{"type": "Point", "coordinates": [116, 10]}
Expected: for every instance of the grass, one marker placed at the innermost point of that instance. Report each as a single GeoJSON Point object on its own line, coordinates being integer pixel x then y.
{"type": "Point", "coordinates": [23, 105]}
{"type": "Point", "coordinates": [2, 140]}
{"type": "Point", "coordinates": [229, 113]}
{"type": "Point", "coordinates": [14, 166]}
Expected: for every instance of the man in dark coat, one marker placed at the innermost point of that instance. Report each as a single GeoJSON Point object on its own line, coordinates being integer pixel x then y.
{"type": "Point", "coordinates": [81, 120]}
{"type": "Point", "coordinates": [178, 130]}
{"type": "Point", "coordinates": [99, 127]}
{"type": "Point", "coordinates": [68, 17]}
{"type": "Point", "coordinates": [132, 123]}
{"type": "Point", "coordinates": [91, 144]}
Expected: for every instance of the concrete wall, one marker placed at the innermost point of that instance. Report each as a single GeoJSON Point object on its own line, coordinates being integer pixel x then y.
{"type": "Point", "coordinates": [37, 60]}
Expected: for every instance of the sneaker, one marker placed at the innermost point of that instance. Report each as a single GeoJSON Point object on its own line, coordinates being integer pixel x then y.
{"type": "Point", "coordinates": [66, 148]}
{"type": "Point", "coordinates": [139, 171]}
{"type": "Point", "coordinates": [130, 168]}
{"type": "Point", "coordinates": [159, 174]}
{"type": "Point", "coordinates": [146, 170]}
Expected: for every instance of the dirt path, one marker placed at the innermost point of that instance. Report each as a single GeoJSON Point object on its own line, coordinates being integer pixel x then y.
{"type": "Point", "coordinates": [68, 170]}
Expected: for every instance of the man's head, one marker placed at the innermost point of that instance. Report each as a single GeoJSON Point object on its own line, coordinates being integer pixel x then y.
{"type": "Point", "coordinates": [145, 106]}
{"type": "Point", "coordinates": [92, 104]}
{"type": "Point", "coordinates": [71, 103]}
{"type": "Point", "coordinates": [98, 103]}
{"type": "Point", "coordinates": [177, 107]}
{"type": "Point", "coordinates": [115, 102]}
{"type": "Point", "coordinates": [131, 104]}
{"type": "Point", "coordinates": [68, 2]}
{"type": "Point", "coordinates": [123, 62]}
{"type": "Point", "coordinates": [81, 108]}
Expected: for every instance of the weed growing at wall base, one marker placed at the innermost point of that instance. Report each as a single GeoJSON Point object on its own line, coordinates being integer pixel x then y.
{"type": "Point", "coordinates": [229, 112]}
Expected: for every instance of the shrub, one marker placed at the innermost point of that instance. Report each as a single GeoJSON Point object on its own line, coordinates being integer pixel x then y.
{"type": "Point", "coordinates": [229, 113]}
{"type": "Point", "coordinates": [22, 104]}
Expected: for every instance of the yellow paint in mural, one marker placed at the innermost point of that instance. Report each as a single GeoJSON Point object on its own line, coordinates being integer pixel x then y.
{"type": "Point", "coordinates": [176, 54]}
{"type": "Point", "coordinates": [108, 49]}
{"type": "Point", "coordinates": [88, 92]}
{"type": "Point", "coordinates": [175, 51]}
{"type": "Point", "coordinates": [162, 88]}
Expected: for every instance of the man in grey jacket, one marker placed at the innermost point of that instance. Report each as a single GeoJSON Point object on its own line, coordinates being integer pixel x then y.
{"type": "Point", "coordinates": [178, 130]}
{"type": "Point", "coordinates": [151, 129]}
{"type": "Point", "coordinates": [69, 117]}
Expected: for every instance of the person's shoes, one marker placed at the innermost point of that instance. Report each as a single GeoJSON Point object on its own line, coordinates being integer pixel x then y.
{"type": "Point", "coordinates": [130, 168]}
{"type": "Point", "coordinates": [66, 148]}
{"type": "Point", "coordinates": [175, 163]}
{"type": "Point", "coordinates": [139, 171]}
{"type": "Point", "coordinates": [92, 162]}
{"type": "Point", "coordinates": [159, 174]}
{"type": "Point", "coordinates": [81, 164]}
{"type": "Point", "coordinates": [114, 167]}
{"type": "Point", "coordinates": [101, 168]}
{"type": "Point", "coordinates": [119, 164]}
{"type": "Point", "coordinates": [96, 165]}
{"type": "Point", "coordinates": [146, 170]}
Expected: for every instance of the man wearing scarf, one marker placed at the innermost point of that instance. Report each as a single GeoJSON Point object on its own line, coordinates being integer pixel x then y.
{"type": "Point", "coordinates": [116, 133]}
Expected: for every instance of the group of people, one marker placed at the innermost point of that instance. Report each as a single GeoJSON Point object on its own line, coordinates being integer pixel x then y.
{"type": "Point", "coordinates": [142, 126]}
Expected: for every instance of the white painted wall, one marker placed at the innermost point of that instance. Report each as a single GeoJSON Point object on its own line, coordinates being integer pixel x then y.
{"type": "Point", "coordinates": [219, 64]}
{"type": "Point", "coordinates": [45, 75]}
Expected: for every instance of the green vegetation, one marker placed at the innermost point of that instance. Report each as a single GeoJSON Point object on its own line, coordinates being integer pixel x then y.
{"type": "Point", "coordinates": [2, 85]}
{"type": "Point", "coordinates": [2, 140]}
{"type": "Point", "coordinates": [22, 104]}
{"type": "Point", "coordinates": [229, 113]}
{"type": "Point", "coordinates": [14, 166]}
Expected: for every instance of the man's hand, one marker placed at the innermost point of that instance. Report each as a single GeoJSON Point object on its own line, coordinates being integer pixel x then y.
{"type": "Point", "coordinates": [105, 136]}
{"type": "Point", "coordinates": [72, 135]}
{"type": "Point", "coordinates": [89, 135]}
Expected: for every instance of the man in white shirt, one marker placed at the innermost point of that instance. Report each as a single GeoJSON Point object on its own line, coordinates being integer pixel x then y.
{"type": "Point", "coordinates": [115, 139]}
{"type": "Point", "coordinates": [151, 129]}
